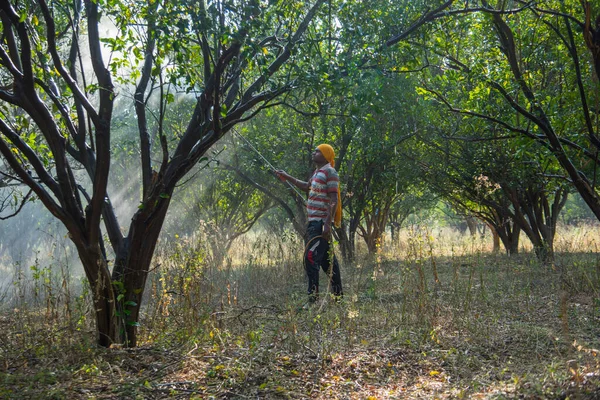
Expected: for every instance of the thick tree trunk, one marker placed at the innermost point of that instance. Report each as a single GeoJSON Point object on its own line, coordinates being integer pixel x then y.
{"type": "Point", "coordinates": [117, 298]}
{"type": "Point", "coordinates": [374, 239]}
{"type": "Point", "coordinates": [103, 294]}
{"type": "Point", "coordinates": [142, 240]}
{"type": "Point", "coordinates": [106, 321]}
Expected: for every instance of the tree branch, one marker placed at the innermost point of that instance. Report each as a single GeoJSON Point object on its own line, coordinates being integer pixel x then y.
{"type": "Point", "coordinates": [268, 193]}
{"type": "Point", "coordinates": [42, 194]}
{"type": "Point", "coordinates": [102, 125]}
{"type": "Point", "coordinates": [52, 48]}
{"type": "Point", "coordinates": [140, 104]}
{"type": "Point", "coordinates": [18, 210]}
{"type": "Point", "coordinates": [284, 56]}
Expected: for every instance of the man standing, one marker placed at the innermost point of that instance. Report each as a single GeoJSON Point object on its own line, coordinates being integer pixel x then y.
{"type": "Point", "coordinates": [324, 208]}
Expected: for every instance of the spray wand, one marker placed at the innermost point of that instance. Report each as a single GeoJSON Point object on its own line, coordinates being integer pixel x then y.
{"type": "Point", "coordinates": [268, 163]}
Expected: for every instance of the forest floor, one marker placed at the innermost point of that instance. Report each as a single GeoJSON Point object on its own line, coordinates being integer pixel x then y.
{"type": "Point", "coordinates": [477, 326]}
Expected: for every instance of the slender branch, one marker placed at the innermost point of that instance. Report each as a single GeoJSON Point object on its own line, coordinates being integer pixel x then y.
{"type": "Point", "coordinates": [18, 210]}
{"type": "Point", "coordinates": [9, 38]}
{"type": "Point", "coordinates": [284, 56]}
{"type": "Point", "coordinates": [42, 194]}
{"type": "Point", "coordinates": [60, 107]}
{"type": "Point", "coordinates": [425, 18]}
{"type": "Point", "coordinates": [106, 94]}
{"type": "Point", "coordinates": [264, 190]}
{"type": "Point", "coordinates": [582, 95]}
{"type": "Point", "coordinates": [560, 14]}
{"type": "Point", "coordinates": [505, 125]}
{"type": "Point", "coordinates": [161, 134]}
{"type": "Point", "coordinates": [8, 62]}
{"type": "Point", "coordinates": [31, 156]}
{"type": "Point", "coordinates": [311, 114]}
{"type": "Point", "coordinates": [10, 178]}
{"type": "Point", "coordinates": [140, 104]}
{"type": "Point", "coordinates": [442, 12]}
{"type": "Point", "coordinates": [52, 48]}
{"type": "Point", "coordinates": [262, 97]}
{"type": "Point", "coordinates": [538, 138]}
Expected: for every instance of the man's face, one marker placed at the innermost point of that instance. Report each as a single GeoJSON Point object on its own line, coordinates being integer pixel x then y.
{"type": "Point", "coordinates": [318, 157]}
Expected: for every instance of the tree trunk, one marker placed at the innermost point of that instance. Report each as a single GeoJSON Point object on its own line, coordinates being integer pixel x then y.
{"type": "Point", "coordinates": [348, 245]}
{"type": "Point", "coordinates": [103, 293]}
{"type": "Point", "coordinates": [495, 239]}
{"type": "Point", "coordinates": [472, 225]}
{"type": "Point", "coordinates": [394, 229]}
{"type": "Point", "coordinates": [513, 241]}
{"type": "Point", "coordinates": [544, 253]}
{"type": "Point", "coordinates": [509, 234]}
{"type": "Point", "coordinates": [537, 217]}
{"type": "Point", "coordinates": [345, 245]}
{"type": "Point", "coordinates": [132, 267]}
{"type": "Point", "coordinates": [373, 240]}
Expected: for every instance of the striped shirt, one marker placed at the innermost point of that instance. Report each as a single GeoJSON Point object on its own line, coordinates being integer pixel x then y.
{"type": "Point", "coordinates": [324, 181]}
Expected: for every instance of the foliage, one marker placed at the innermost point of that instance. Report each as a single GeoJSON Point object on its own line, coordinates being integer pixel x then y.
{"type": "Point", "coordinates": [520, 69]}
{"type": "Point", "coordinates": [67, 67]}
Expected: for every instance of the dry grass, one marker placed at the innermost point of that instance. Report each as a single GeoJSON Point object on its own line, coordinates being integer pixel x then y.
{"type": "Point", "coordinates": [489, 327]}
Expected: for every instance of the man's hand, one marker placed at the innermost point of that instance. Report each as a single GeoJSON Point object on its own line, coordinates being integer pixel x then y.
{"type": "Point", "coordinates": [282, 175]}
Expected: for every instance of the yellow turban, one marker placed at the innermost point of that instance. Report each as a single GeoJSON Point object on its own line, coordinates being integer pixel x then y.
{"type": "Point", "coordinates": [329, 155]}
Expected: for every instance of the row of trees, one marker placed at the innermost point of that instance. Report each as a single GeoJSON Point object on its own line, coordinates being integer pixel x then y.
{"type": "Point", "coordinates": [521, 80]}
{"type": "Point", "coordinates": [489, 111]}
{"type": "Point", "coordinates": [491, 107]}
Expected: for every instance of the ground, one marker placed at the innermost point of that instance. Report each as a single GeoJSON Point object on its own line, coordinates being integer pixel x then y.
{"type": "Point", "coordinates": [489, 327]}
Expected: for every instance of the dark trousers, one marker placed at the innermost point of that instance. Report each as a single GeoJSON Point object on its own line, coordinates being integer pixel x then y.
{"type": "Point", "coordinates": [317, 255]}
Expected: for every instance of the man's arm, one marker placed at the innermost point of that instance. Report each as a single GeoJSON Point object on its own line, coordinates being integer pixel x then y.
{"type": "Point", "coordinates": [284, 176]}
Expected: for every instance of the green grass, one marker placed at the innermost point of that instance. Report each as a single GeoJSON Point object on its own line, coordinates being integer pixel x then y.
{"type": "Point", "coordinates": [491, 327]}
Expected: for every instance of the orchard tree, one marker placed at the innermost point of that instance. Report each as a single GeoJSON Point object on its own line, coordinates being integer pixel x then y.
{"type": "Point", "coordinates": [528, 68]}
{"type": "Point", "coordinates": [377, 176]}
{"type": "Point", "coordinates": [64, 65]}
{"type": "Point", "coordinates": [496, 178]}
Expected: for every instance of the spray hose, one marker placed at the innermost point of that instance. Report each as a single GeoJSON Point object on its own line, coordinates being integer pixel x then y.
{"type": "Point", "coordinates": [267, 163]}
